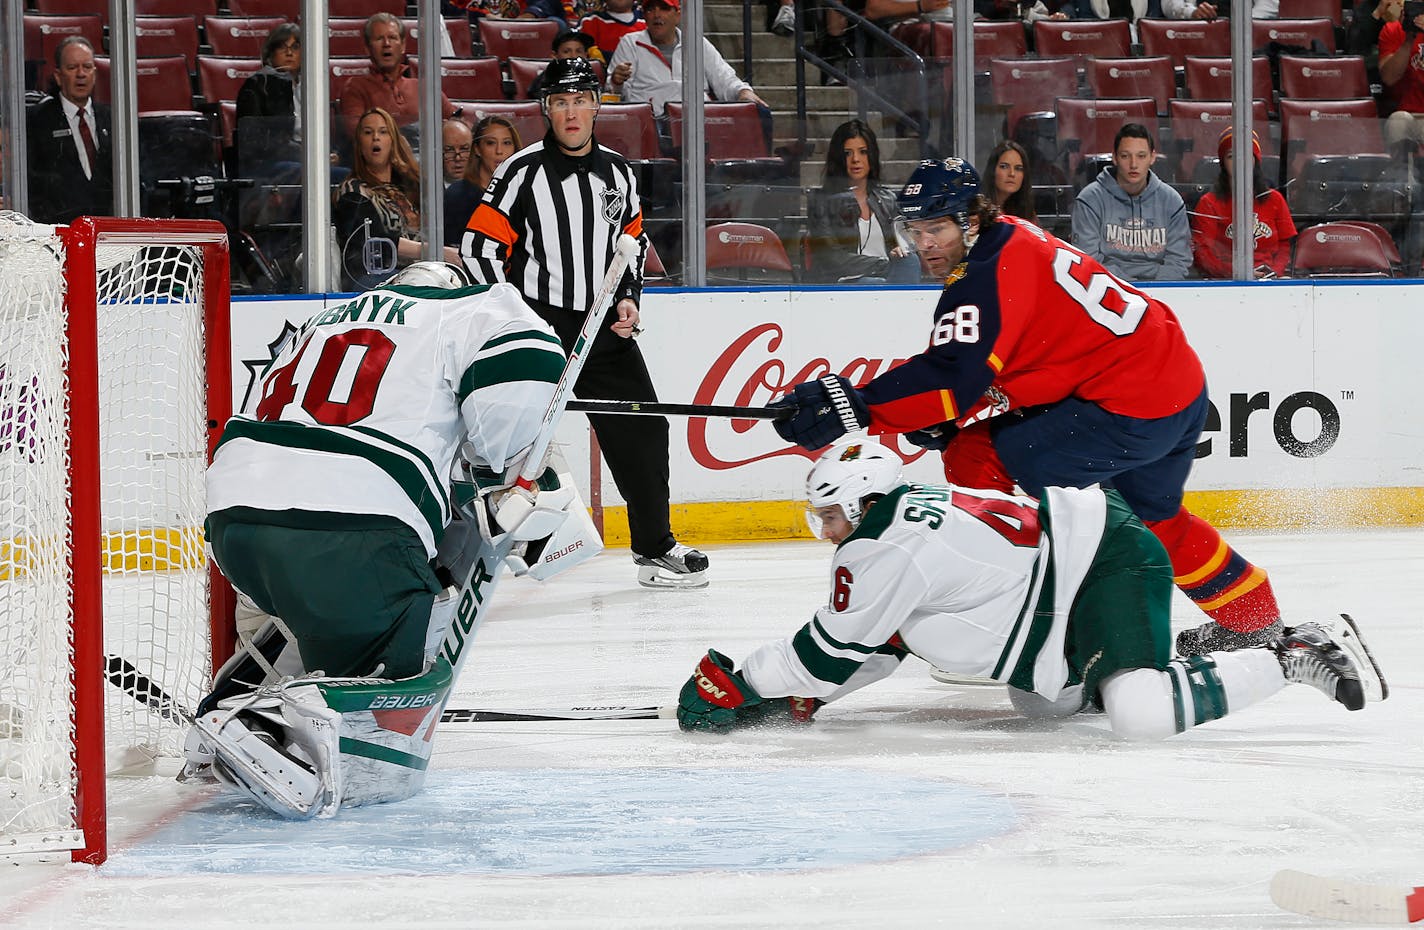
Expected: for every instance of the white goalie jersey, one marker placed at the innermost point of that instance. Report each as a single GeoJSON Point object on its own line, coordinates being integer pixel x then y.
{"type": "Point", "coordinates": [366, 408]}
{"type": "Point", "coordinates": [974, 582]}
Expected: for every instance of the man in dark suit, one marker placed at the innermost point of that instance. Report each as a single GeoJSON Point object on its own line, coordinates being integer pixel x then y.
{"type": "Point", "coordinates": [70, 143]}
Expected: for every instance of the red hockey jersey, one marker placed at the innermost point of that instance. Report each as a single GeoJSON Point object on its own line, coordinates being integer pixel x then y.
{"type": "Point", "coordinates": [1030, 320]}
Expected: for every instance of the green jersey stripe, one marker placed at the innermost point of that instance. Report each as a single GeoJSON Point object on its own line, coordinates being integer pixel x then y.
{"type": "Point", "coordinates": [436, 293]}
{"type": "Point", "coordinates": [356, 747]}
{"type": "Point", "coordinates": [523, 334]}
{"type": "Point", "coordinates": [837, 644]}
{"type": "Point", "coordinates": [1013, 642]}
{"type": "Point", "coordinates": [818, 662]}
{"type": "Point", "coordinates": [1037, 633]}
{"type": "Point", "coordinates": [429, 499]}
{"type": "Point", "coordinates": [531, 364]}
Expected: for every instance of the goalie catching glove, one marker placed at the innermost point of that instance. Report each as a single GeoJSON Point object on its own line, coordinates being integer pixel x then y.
{"type": "Point", "coordinates": [719, 700]}
{"type": "Point", "coordinates": [824, 411]}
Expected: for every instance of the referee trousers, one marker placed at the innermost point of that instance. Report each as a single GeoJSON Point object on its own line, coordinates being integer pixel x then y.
{"type": "Point", "coordinates": [635, 447]}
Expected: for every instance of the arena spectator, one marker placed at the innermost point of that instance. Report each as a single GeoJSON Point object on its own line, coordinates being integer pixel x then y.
{"type": "Point", "coordinates": [376, 215]}
{"type": "Point", "coordinates": [457, 143]}
{"type": "Point", "coordinates": [1011, 183]}
{"type": "Point", "coordinates": [852, 216]}
{"type": "Point", "coordinates": [1401, 67]}
{"type": "Point", "coordinates": [389, 86]}
{"type": "Point", "coordinates": [609, 25]}
{"type": "Point", "coordinates": [495, 140]}
{"type": "Point", "coordinates": [570, 44]}
{"type": "Point", "coordinates": [71, 149]}
{"type": "Point", "coordinates": [1129, 220]}
{"type": "Point", "coordinates": [269, 129]}
{"type": "Point", "coordinates": [647, 65]}
{"type": "Point", "coordinates": [1213, 231]}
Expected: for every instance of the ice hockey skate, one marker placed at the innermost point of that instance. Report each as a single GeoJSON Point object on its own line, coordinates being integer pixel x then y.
{"type": "Point", "coordinates": [679, 567]}
{"type": "Point", "coordinates": [1333, 659]}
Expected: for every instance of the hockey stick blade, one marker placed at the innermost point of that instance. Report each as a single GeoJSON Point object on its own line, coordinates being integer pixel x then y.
{"type": "Point", "coordinates": [124, 675]}
{"type": "Point", "coordinates": [655, 408]}
{"type": "Point", "coordinates": [1354, 902]}
{"type": "Point", "coordinates": [471, 715]}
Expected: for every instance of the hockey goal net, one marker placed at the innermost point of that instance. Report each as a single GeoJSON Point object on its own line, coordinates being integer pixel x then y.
{"type": "Point", "coordinates": [114, 383]}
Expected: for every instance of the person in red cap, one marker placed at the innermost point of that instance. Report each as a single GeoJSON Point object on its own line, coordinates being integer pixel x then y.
{"type": "Point", "coordinates": [1213, 230]}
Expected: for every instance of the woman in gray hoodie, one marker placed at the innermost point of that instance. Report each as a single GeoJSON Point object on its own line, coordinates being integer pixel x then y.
{"type": "Point", "coordinates": [1129, 220]}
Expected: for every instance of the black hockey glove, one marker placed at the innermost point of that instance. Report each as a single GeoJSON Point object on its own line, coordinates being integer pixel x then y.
{"type": "Point", "coordinates": [825, 410]}
{"type": "Point", "coordinates": [935, 437]}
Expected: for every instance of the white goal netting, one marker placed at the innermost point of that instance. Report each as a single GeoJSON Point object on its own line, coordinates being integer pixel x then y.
{"type": "Point", "coordinates": [151, 454]}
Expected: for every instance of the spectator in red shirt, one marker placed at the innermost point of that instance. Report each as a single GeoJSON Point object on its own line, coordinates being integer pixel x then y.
{"type": "Point", "coordinates": [390, 85]}
{"type": "Point", "coordinates": [1401, 66]}
{"type": "Point", "coordinates": [1213, 231]}
{"type": "Point", "coordinates": [610, 24]}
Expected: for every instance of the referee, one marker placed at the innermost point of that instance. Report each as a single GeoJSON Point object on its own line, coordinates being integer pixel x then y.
{"type": "Point", "coordinates": [548, 224]}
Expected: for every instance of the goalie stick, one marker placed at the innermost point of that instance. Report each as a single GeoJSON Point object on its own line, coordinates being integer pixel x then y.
{"type": "Point", "coordinates": [1355, 902]}
{"type": "Point", "coordinates": [124, 675]}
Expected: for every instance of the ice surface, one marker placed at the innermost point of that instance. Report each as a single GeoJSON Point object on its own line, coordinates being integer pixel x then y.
{"type": "Point", "coordinates": [909, 804]}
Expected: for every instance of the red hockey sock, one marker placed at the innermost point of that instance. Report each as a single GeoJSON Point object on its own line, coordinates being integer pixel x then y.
{"type": "Point", "coordinates": [1229, 589]}
{"type": "Point", "coordinates": [971, 461]}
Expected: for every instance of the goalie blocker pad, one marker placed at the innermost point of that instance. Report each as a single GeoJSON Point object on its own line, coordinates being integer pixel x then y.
{"type": "Point", "coordinates": [312, 746]}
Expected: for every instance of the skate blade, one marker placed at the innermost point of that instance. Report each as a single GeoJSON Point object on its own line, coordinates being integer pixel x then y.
{"type": "Point", "coordinates": [1347, 636]}
{"type": "Point", "coordinates": [650, 576]}
{"type": "Point", "coordinates": [969, 681]}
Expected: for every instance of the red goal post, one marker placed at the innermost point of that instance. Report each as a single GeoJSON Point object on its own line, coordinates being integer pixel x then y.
{"type": "Point", "coordinates": [115, 383]}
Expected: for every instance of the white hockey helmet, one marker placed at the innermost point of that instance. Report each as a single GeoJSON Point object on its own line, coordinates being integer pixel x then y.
{"type": "Point", "coordinates": [447, 275]}
{"type": "Point", "coordinates": [846, 474]}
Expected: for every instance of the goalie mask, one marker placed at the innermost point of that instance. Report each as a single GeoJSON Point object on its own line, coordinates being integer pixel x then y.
{"type": "Point", "coordinates": [847, 474]}
{"type": "Point", "coordinates": [444, 275]}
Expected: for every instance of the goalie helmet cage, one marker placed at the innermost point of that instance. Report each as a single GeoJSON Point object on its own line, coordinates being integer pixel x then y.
{"type": "Point", "coordinates": [115, 381]}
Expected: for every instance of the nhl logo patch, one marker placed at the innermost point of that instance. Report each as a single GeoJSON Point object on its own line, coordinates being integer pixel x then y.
{"type": "Point", "coordinates": [612, 205]}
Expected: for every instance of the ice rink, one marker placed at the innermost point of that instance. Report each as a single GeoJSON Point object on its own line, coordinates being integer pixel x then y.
{"type": "Point", "coordinates": [909, 804]}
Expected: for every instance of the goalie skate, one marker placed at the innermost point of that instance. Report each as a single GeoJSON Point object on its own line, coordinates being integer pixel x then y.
{"type": "Point", "coordinates": [679, 567]}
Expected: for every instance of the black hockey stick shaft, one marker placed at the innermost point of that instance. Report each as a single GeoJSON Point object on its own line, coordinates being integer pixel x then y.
{"type": "Point", "coordinates": [124, 675]}
{"type": "Point", "coordinates": [656, 408]}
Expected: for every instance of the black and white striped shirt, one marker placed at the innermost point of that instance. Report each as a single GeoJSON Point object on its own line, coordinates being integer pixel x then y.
{"type": "Point", "coordinates": [548, 224]}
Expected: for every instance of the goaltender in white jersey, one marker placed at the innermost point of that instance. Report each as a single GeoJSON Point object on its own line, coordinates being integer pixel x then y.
{"type": "Point", "coordinates": [1067, 600]}
{"type": "Point", "coordinates": [329, 498]}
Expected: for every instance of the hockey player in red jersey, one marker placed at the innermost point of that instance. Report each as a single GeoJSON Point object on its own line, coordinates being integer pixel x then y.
{"type": "Point", "coordinates": [1043, 369]}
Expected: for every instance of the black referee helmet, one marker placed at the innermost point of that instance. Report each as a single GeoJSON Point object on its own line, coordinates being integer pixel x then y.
{"type": "Point", "coordinates": [568, 76]}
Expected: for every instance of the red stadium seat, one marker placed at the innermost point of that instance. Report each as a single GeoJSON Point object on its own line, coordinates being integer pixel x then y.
{"type": "Point", "coordinates": [1317, 128]}
{"type": "Point", "coordinates": [992, 39]}
{"type": "Point", "coordinates": [1210, 79]}
{"type": "Point", "coordinates": [1086, 127]}
{"type": "Point", "coordinates": [1134, 77]}
{"type": "Point", "coordinates": [523, 71]}
{"type": "Point", "coordinates": [654, 273]}
{"type": "Point", "coordinates": [1196, 130]}
{"type": "Point", "coordinates": [1323, 78]}
{"type": "Point", "coordinates": [628, 129]}
{"type": "Point", "coordinates": [1391, 250]}
{"type": "Point", "coordinates": [1178, 38]}
{"type": "Point", "coordinates": [288, 9]}
{"type": "Point", "coordinates": [745, 252]}
{"type": "Point", "coordinates": [1030, 85]}
{"type": "Point", "coordinates": [163, 84]}
{"type": "Point", "coordinates": [75, 8]}
{"type": "Point", "coordinates": [1340, 250]}
{"type": "Point", "coordinates": [1315, 34]}
{"type": "Point", "coordinates": [158, 36]}
{"type": "Point", "coordinates": [342, 70]}
{"type": "Point", "coordinates": [517, 38]}
{"type": "Point", "coordinates": [364, 8]}
{"type": "Point", "coordinates": [347, 38]}
{"type": "Point", "coordinates": [227, 112]}
{"type": "Point", "coordinates": [220, 79]}
{"type": "Point", "coordinates": [527, 117]}
{"type": "Point", "coordinates": [471, 79]}
{"type": "Point", "coordinates": [43, 33]}
{"type": "Point", "coordinates": [1332, 10]}
{"type": "Point", "coordinates": [239, 36]}
{"type": "Point", "coordinates": [1081, 39]}
{"type": "Point", "coordinates": [733, 130]}
{"type": "Point", "coordinates": [194, 8]}
{"type": "Point", "coordinates": [458, 29]}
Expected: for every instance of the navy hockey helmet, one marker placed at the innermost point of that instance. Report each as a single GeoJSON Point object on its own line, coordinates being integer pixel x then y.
{"type": "Point", "coordinates": [568, 76]}
{"type": "Point", "coordinates": [940, 187]}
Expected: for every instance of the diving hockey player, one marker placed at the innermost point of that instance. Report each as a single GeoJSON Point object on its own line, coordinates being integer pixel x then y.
{"type": "Point", "coordinates": [329, 496]}
{"type": "Point", "coordinates": [1067, 600]}
{"type": "Point", "coordinates": [1045, 370]}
